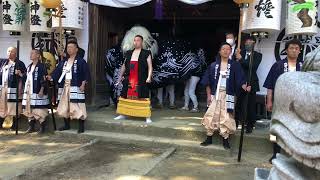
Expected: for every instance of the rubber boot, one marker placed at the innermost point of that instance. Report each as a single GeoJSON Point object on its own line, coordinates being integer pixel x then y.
{"type": "Point", "coordinates": [226, 144]}
{"type": "Point", "coordinates": [66, 125]}
{"type": "Point", "coordinates": [81, 126]}
{"type": "Point", "coordinates": [42, 129]}
{"type": "Point", "coordinates": [31, 126]}
{"type": "Point", "coordinates": [207, 142]}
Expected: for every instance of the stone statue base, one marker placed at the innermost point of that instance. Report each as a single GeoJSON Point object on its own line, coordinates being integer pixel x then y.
{"type": "Point", "coordinates": [285, 168]}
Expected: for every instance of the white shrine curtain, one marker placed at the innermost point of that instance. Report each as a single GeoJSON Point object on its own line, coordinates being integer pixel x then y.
{"type": "Point", "coordinates": [133, 3]}
{"type": "Point", "coordinates": [194, 2]}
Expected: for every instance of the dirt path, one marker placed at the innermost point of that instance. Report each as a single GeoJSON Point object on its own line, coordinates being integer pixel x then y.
{"type": "Point", "coordinates": [190, 166]}
{"type": "Point", "coordinates": [113, 161]}
{"type": "Point", "coordinates": [103, 161]}
{"type": "Point", "coordinates": [18, 153]}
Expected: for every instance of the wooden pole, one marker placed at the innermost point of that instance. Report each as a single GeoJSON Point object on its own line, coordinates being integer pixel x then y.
{"type": "Point", "coordinates": [48, 90]}
{"type": "Point", "coordinates": [60, 32]}
{"type": "Point", "coordinates": [245, 107]}
{"type": "Point", "coordinates": [243, 4]}
{"type": "Point", "coordinates": [240, 27]}
{"type": "Point", "coordinates": [17, 89]}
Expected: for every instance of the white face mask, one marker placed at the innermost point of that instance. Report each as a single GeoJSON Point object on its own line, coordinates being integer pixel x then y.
{"type": "Point", "coordinates": [230, 41]}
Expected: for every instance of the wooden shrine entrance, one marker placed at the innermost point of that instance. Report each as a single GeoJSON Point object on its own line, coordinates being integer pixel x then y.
{"type": "Point", "coordinates": [204, 24]}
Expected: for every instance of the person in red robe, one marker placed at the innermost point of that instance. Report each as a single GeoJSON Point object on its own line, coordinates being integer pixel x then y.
{"type": "Point", "coordinates": [136, 73]}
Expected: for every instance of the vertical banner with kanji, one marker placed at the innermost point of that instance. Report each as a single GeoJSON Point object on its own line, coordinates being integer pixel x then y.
{"type": "Point", "coordinates": [40, 18]}
{"type": "Point", "coordinates": [14, 15]}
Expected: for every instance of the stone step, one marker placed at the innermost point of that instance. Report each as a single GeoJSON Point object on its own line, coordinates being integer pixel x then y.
{"type": "Point", "coordinates": [254, 142]}
{"type": "Point", "coordinates": [170, 124]}
{"type": "Point", "coordinates": [179, 144]}
{"type": "Point", "coordinates": [173, 126]}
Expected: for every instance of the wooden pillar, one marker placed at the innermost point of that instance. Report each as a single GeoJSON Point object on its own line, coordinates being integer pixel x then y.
{"type": "Point", "coordinates": [93, 51]}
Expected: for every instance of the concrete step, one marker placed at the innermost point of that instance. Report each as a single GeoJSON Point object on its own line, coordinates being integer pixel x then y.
{"type": "Point", "coordinates": [253, 142]}
{"type": "Point", "coordinates": [167, 124]}
{"type": "Point", "coordinates": [174, 125]}
{"type": "Point", "coordinates": [179, 144]}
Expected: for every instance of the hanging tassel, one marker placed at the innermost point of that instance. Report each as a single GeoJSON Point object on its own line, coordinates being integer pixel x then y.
{"type": "Point", "coordinates": [159, 10]}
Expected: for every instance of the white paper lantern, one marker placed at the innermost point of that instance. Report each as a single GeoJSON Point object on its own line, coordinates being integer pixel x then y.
{"type": "Point", "coordinates": [14, 15]}
{"type": "Point", "coordinates": [301, 17]}
{"type": "Point", "coordinates": [73, 12]}
{"type": "Point", "coordinates": [39, 17]}
{"type": "Point", "coordinates": [262, 16]}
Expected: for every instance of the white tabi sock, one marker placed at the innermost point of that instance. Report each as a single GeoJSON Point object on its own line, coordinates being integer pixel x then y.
{"type": "Point", "coordinates": [148, 120]}
{"type": "Point", "coordinates": [120, 117]}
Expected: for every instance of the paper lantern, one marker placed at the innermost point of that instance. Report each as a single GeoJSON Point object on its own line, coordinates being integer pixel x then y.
{"type": "Point", "coordinates": [302, 17]}
{"type": "Point", "coordinates": [73, 14]}
{"type": "Point", "coordinates": [50, 4]}
{"type": "Point", "coordinates": [40, 19]}
{"type": "Point", "coordinates": [262, 16]}
{"type": "Point", "coordinates": [14, 15]}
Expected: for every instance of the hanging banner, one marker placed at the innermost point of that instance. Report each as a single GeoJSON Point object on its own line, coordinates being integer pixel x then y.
{"type": "Point", "coordinates": [40, 20]}
{"type": "Point", "coordinates": [134, 3]}
{"type": "Point", "coordinates": [72, 13]}
{"type": "Point", "coordinates": [14, 15]}
{"type": "Point", "coordinates": [302, 17]}
{"type": "Point", "coordinates": [262, 16]}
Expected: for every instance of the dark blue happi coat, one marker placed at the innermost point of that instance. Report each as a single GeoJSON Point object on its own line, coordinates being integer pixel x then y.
{"type": "Point", "coordinates": [80, 73]}
{"type": "Point", "coordinates": [235, 79]}
{"type": "Point", "coordinates": [12, 78]}
{"type": "Point", "coordinates": [276, 70]}
{"type": "Point", "coordinates": [38, 77]}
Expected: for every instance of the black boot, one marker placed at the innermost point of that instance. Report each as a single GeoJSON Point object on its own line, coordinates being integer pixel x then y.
{"type": "Point", "coordinates": [42, 129]}
{"type": "Point", "coordinates": [207, 142]}
{"type": "Point", "coordinates": [1, 122]}
{"type": "Point", "coordinates": [81, 126]}
{"type": "Point", "coordinates": [276, 150]}
{"type": "Point", "coordinates": [66, 125]}
{"type": "Point", "coordinates": [249, 129]}
{"type": "Point", "coordinates": [226, 144]}
{"type": "Point", "coordinates": [31, 126]}
{"type": "Point", "coordinates": [237, 124]}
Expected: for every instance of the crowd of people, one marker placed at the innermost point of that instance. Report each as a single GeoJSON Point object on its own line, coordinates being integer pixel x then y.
{"type": "Point", "coordinates": [231, 84]}
{"type": "Point", "coordinates": [26, 88]}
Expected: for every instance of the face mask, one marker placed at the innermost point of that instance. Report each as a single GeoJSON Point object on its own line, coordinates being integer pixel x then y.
{"type": "Point", "coordinates": [248, 47]}
{"type": "Point", "coordinates": [230, 41]}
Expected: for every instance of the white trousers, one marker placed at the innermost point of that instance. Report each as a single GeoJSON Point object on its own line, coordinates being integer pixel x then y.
{"type": "Point", "coordinates": [190, 91]}
{"type": "Point", "coordinates": [169, 91]}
